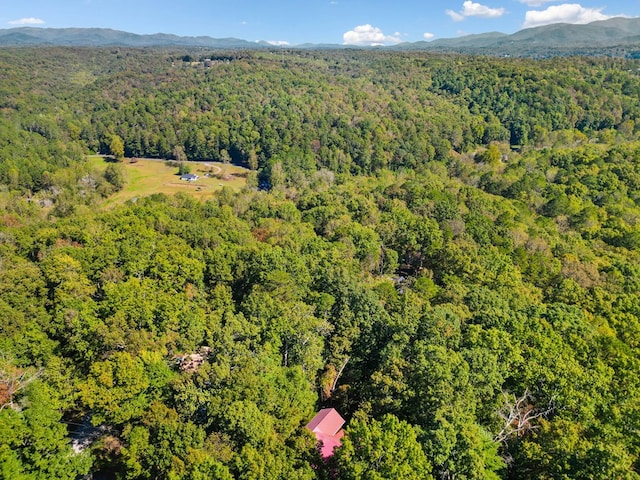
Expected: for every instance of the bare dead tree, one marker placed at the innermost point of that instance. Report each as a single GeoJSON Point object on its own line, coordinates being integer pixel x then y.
{"type": "Point", "coordinates": [335, 382]}
{"type": "Point", "coordinates": [520, 415]}
{"type": "Point", "coordinates": [14, 379]}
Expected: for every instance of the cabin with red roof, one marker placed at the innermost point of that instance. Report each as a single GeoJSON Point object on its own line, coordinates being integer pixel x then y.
{"type": "Point", "coordinates": [327, 427]}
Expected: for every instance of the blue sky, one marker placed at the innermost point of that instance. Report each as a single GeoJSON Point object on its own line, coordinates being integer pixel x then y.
{"type": "Point", "coordinates": [357, 22]}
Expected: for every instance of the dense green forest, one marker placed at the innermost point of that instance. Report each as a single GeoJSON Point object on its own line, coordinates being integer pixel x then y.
{"type": "Point", "coordinates": [443, 248]}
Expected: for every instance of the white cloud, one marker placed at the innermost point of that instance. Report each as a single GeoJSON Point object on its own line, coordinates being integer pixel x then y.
{"type": "Point", "coordinates": [27, 21]}
{"type": "Point", "coordinates": [278, 43]}
{"type": "Point", "coordinates": [565, 13]}
{"type": "Point", "coordinates": [428, 35]}
{"type": "Point", "coordinates": [455, 16]}
{"type": "Point", "coordinates": [473, 9]}
{"type": "Point", "coordinates": [368, 35]}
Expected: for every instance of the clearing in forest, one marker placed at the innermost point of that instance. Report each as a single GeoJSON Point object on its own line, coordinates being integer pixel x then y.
{"type": "Point", "coordinates": [148, 176]}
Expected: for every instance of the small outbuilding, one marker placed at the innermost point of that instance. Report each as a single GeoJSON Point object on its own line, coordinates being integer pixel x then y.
{"type": "Point", "coordinates": [327, 427]}
{"type": "Point", "coordinates": [189, 177]}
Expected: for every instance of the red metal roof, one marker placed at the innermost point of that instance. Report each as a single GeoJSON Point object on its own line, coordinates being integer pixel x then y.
{"type": "Point", "coordinates": [329, 442]}
{"type": "Point", "coordinates": [327, 421]}
{"type": "Point", "coordinates": [327, 426]}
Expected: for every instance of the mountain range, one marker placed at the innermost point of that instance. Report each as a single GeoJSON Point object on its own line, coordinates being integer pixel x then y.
{"type": "Point", "coordinates": [102, 37]}
{"type": "Point", "coordinates": [622, 34]}
{"type": "Point", "coordinates": [618, 36]}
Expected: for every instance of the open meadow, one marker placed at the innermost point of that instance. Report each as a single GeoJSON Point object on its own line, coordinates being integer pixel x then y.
{"type": "Point", "coordinates": [148, 176]}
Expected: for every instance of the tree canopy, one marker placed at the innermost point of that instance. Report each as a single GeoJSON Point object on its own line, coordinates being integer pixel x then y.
{"type": "Point", "coordinates": [443, 248]}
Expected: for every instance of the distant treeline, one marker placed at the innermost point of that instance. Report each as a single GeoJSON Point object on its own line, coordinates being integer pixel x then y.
{"type": "Point", "coordinates": [348, 111]}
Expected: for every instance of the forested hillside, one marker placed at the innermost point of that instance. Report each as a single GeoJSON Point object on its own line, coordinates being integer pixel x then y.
{"type": "Point", "coordinates": [443, 248]}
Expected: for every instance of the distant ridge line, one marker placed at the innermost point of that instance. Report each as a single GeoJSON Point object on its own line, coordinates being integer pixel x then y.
{"type": "Point", "coordinates": [618, 35]}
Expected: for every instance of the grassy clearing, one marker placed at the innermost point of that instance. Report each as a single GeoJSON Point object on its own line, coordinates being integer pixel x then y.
{"type": "Point", "coordinates": [147, 176]}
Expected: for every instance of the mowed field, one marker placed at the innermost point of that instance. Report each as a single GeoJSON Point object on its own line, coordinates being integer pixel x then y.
{"type": "Point", "coordinates": [149, 176]}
